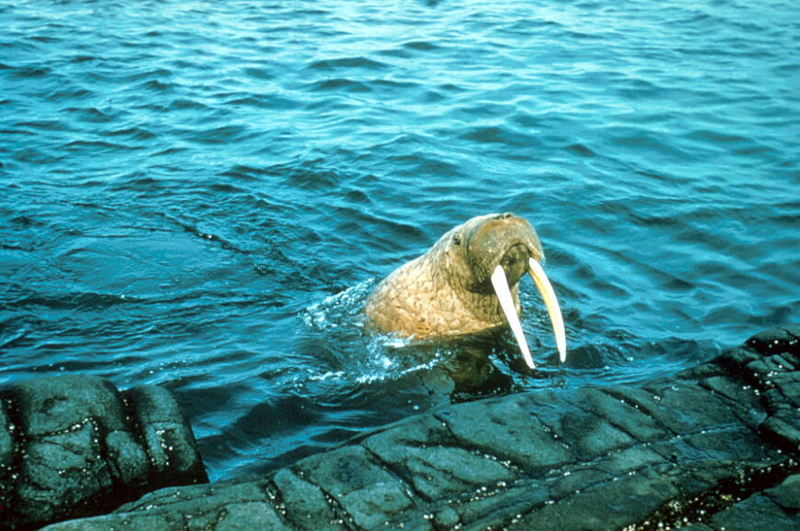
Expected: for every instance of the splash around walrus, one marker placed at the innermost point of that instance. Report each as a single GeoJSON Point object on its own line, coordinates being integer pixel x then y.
{"type": "Point", "coordinates": [467, 282]}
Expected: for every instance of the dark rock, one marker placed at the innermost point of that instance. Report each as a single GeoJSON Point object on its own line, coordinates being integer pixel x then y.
{"type": "Point", "coordinates": [246, 505]}
{"type": "Point", "coordinates": [774, 508]}
{"type": "Point", "coordinates": [75, 446]}
{"type": "Point", "coordinates": [711, 448]}
{"type": "Point", "coordinates": [304, 504]}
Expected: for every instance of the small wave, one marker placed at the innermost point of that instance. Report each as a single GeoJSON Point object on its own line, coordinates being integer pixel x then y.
{"type": "Point", "coordinates": [259, 73]}
{"type": "Point", "coordinates": [381, 369]}
{"type": "Point", "coordinates": [151, 73]}
{"type": "Point", "coordinates": [499, 135]}
{"type": "Point", "coordinates": [30, 72]}
{"type": "Point", "coordinates": [92, 114]}
{"type": "Point", "coordinates": [340, 84]}
{"type": "Point", "coordinates": [185, 104]}
{"type": "Point", "coordinates": [347, 62]}
{"type": "Point", "coordinates": [217, 135]}
{"type": "Point", "coordinates": [341, 309]}
{"type": "Point", "coordinates": [194, 229]}
{"type": "Point", "coordinates": [155, 85]}
{"type": "Point", "coordinates": [582, 150]}
{"type": "Point", "coordinates": [421, 45]}
{"type": "Point", "coordinates": [83, 59]}
{"type": "Point", "coordinates": [44, 125]}
{"type": "Point", "coordinates": [73, 300]}
{"type": "Point", "coordinates": [96, 145]}
{"type": "Point", "coordinates": [135, 133]}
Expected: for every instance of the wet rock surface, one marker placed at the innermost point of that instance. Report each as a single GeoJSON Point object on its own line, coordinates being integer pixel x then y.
{"type": "Point", "coordinates": [713, 447]}
{"type": "Point", "coordinates": [75, 446]}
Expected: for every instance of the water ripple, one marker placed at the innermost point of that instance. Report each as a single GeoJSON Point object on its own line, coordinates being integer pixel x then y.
{"type": "Point", "coordinates": [183, 187]}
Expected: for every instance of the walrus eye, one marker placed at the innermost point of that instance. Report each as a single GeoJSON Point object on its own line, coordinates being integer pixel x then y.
{"type": "Point", "coordinates": [457, 239]}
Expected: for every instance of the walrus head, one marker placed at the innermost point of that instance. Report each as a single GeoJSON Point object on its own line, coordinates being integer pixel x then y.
{"type": "Point", "coordinates": [466, 282]}
{"type": "Point", "coordinates": [481, 244]}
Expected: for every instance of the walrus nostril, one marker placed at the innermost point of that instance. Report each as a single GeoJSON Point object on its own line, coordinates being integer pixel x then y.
{"type": "Point", "coordinates": [504, 215]}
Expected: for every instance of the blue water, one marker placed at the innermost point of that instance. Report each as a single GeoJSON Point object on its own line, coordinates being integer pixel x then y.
{"type": "Point", "coordinates": [200, 195]}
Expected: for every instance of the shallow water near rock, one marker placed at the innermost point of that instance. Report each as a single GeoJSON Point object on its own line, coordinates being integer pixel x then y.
{"type": "Point", "coordinates": [201, 196]}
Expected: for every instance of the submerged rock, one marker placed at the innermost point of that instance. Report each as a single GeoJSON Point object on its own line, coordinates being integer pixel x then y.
{"type": "Point", "coordinates": [74, 446]}
{"type": "Point", "coordinates": [713, 447]}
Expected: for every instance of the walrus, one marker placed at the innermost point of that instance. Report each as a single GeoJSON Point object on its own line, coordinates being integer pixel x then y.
{"type": "Point", "coordinates": [467, 282]}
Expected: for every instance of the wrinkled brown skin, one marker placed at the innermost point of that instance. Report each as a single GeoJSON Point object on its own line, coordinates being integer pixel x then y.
{"type": "Point", "coordinates": [447, 291]}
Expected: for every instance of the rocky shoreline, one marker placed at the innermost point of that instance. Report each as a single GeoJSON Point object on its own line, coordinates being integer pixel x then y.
{"type": "Point", "coordinates": [714, 447]}
{"type": "Point", "coordinates": [74, 445]}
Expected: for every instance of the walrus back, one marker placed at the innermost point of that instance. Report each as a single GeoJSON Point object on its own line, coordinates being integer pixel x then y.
{"type": "Point", "coordinates": [396, 304]}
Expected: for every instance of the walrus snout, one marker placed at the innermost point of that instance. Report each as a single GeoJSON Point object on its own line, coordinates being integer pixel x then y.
{"type": "Point", "coordinates": [501, 239]}
{"type": "Point", "coordinates": [515, 262]}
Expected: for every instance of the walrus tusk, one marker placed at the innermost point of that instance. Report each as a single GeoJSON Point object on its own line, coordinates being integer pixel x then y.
{"type": "Point", "coordinates": [503, 293]}
{"type": "Point", "coordinates": [550, 300]}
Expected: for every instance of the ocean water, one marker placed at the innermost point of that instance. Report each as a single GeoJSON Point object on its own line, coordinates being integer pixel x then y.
{"type": "Point", "coordinates": [200, 195]}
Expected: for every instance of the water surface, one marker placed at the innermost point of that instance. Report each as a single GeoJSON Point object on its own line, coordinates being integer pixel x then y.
{"type": "Point", "coordinates": [200, 195]}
